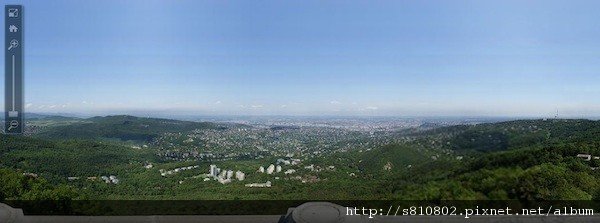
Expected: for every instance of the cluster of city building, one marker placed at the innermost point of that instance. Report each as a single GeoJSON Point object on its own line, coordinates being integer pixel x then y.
{"type": "Point", "coordinates": [139, 147]}
{"type": "Point", "coordinates": [176, 170]}
{"type": "Point", "coordinates": [288, 161]}
{"type": "Point", "coordinates": [314, 168]}
{"type": "Point", "coordinates": [110, 179]}
{"type": "Point", "coordinates": [224, 176]}
{"type": "Point", "coordinates": [588, 157]}
{"type": "Point", "coordinates": [270, 170]}
{"type": "Point", "coordinates": [277, 168]}
{"type": "Point", "coordinates": [266, 184]}
{"type": "Point", "coordinates": [256, 143]}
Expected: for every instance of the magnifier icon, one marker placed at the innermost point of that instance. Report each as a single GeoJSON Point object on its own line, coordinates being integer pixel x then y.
{"type": "Point", "coordinates": [13, 44]}
{"type": "Point", "coordinates": [13, 125]}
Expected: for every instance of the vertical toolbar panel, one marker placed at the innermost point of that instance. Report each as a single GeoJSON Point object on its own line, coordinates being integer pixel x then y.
{"type": "Point", "coordinates": [13, 71]}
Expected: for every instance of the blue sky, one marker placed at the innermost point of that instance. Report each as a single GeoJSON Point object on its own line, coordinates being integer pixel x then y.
{"type": "Point", "coordinates": [496, 58]}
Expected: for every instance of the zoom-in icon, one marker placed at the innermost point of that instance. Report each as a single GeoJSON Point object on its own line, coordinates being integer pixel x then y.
{"type": "Point", "coordinates": [13, 44]}
{"type": "Point", "coordinates": [14, 124]}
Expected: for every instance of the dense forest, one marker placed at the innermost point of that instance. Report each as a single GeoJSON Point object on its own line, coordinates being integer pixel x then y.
{"type": "Point", "coordinates": [122, 127]}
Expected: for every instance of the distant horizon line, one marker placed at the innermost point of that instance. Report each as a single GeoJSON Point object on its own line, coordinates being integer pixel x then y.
{"type": "Point", "coordinates": [156, 115]}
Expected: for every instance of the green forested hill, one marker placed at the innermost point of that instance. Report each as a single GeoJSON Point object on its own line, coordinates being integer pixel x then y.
{"type": "Point", "coordinates": [548, 173]}
{"type": "Point", "coordinates": [122, 127]}
{"type": "Point", "coordinates": [17, 186]}
{"type": "Point", "coordinates": [59, 159]}
{"type": "Point", "coordinates": [523, 160]}
{"type": "Point", "coordinates": [515, 134]}
{"type": "Point", "coordinates": [392, 157]}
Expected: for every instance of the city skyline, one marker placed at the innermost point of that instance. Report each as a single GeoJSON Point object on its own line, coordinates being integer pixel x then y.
{"type": "Point", "coordinates": [426, 58]}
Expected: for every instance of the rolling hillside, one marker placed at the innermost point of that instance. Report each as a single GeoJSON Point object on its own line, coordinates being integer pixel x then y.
{"type": "Point", "coordinates": [522, 160]}
{"type": "Point", "coordinates": [516, 160]}
{"type": "Point", "coordinates": [58, 159]}
{"type": "Point", "coordinates": [123, 128]}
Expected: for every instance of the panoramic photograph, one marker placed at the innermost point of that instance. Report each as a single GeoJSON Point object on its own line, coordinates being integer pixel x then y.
{"type": "Point", "coordinates": [292, 109]}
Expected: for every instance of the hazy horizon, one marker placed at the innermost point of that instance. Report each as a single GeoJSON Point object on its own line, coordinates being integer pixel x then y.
{"type": "Point", "coordinates": [313, 58]}
{"type": "Point", "coordinates": [191, 116]}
